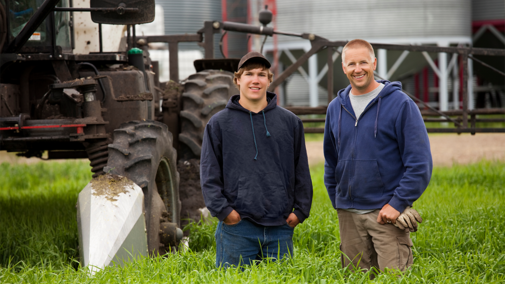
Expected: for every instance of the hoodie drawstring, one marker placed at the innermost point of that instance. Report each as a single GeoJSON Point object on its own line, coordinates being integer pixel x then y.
{"type": "Point", "coordinates": [254, 136]}
{"type": "Point", "coordinates": [339, 119]}
{"type": "Point", "coordinates": [265, 121]}
{"type": "Point", "coordinates": [377, 118]}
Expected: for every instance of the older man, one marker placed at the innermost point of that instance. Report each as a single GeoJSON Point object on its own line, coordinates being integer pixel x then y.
{"type": "Point", "coordinates": [378, 162]}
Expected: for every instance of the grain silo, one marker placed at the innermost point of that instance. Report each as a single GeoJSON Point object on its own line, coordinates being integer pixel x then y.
{"type": "Point", "coordinates": [429, 22]}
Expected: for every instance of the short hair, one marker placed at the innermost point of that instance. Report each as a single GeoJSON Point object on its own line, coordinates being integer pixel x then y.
{"type": "Point", "coordinates": [249, 66]}
{"type": "Point", "coordinates": [358, 43]}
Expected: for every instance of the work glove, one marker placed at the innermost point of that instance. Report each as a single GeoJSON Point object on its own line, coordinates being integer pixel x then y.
{"type": "Point", "coordinates": [408, 220]}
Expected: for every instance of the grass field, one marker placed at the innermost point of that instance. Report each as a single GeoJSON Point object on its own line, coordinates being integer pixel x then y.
{"type": "Point", "coordinates": [462, 239]}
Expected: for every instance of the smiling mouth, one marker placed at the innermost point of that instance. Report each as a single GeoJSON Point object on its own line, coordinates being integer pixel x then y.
{"type": "Point", "coordinates": [359, 76]}
{"type": "Point", "coordinates": [254, 88]}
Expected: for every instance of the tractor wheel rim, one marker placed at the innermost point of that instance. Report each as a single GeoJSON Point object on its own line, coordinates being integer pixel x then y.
{"type": "Point", "coordinates": [165, 185]}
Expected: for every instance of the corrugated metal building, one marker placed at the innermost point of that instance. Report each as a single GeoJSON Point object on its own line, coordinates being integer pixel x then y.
{"type": "Point", "coordinates": [430, 22]}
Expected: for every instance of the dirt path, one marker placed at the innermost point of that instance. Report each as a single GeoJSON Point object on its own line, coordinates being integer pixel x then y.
{"type": "Point", "coordinates": [11, 158]}
{"type": "Point", "coordinates": [446, 149]}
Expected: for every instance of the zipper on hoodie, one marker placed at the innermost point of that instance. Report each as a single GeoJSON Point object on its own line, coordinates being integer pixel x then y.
{"type": "Point", "coordinates": [356, 134]}
{"type": "Point", "coordinates": [369, 106]}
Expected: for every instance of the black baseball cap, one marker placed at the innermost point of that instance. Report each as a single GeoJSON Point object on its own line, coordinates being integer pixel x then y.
{"type": "Point", "coordinates": [254, 56]}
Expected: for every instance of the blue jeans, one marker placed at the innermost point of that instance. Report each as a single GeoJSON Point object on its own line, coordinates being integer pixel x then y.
{"type": "Point", "coordinates": [245, 242]}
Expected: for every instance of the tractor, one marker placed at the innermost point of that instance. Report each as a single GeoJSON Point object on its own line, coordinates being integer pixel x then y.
{"type": "Point", "coordinates": [58, 100]}
{"type": "Point", "coordinates": [62, 99]}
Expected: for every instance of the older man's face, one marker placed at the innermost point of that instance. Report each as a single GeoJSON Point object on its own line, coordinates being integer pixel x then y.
{"type": "Point", "coordinates": [358, 67]}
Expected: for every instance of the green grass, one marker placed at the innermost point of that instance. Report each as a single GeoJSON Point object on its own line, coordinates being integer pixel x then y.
{"type": "Point", "coordinates": [462, 238]}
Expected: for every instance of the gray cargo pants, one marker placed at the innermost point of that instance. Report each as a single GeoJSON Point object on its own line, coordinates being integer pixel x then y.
{"type": "Point", "coordinates": [366, 243]}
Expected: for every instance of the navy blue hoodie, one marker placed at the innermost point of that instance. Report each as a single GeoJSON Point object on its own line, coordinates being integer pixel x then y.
{"type": "Point", "coordinates": [256, 164]}
{"type": "Point", "coordinates": [383, 157]}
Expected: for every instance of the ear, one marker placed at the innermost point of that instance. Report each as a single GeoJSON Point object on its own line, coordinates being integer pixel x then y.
{"type": "Point", "coordinates": [343, 67]}
{"type": "Point", "coordinates": [375, 63]}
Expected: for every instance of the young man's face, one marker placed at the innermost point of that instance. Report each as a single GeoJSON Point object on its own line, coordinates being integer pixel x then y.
{"type": "Point", "coordinates": [359, 67]}
{"type": "Point", "coordinates": [253, 84]}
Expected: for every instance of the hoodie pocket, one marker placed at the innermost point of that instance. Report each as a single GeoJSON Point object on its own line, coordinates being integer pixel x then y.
{"type": "Point", "coordinates": [342, 175]}
{"type": "Point", "coordinates": [262, 197]}
{"type": "Point", "coordinates": [367, 180]}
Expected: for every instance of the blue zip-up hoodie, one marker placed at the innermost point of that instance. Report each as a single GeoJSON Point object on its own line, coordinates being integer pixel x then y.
{"type": "Point", "coordinates": [382, 157]}
{"type": "Point", "coordinates": [256, 163]}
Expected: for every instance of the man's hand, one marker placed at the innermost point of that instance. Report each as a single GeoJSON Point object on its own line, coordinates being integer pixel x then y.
{"type": "Point", "coordinates": [292, 220]}
{"type": "Point", "coordinates": [408, 220]}
{"type": "Point", "coordinates": [232, 218]}
{"type": "Point", "coordinates": [387, 215]}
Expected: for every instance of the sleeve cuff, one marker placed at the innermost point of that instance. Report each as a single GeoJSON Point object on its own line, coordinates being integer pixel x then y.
{"type": "Point", "coordinates": [300, 215]}
{"type": "Point", "coordinates": [397, 204]}
{"type": "Point", "coordinates": [224, 213]}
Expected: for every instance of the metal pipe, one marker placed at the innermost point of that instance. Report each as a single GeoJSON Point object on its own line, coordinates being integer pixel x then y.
{"type": "Point", "coordinates": [464, 62]}
{"type": "Point", "coordinates": [128, 37]}
{"type": "Point", "coordinates": [173, 61]}
{"type": "Point", "coordinates": [53, 34]}
{"type": "Point", "coordinates": [100, 37]}
{"type": "Point", "coordinates": [311, 120]}
{"type": "Point", "coordinates": [66, 9]}
{"type": "Point", "coordinates": [431, 130]}
{"type": "Point", "coordinates": [329, 75]}
{"type": "Point", "coordinates": [245, 28]}
{"type": "Point", "coordinates": [287, 34]}
{"type": "Point", "coordinates": [134, 36]}
{"type": "Point", "coordinates": [316, 46]}
{"type": "Point", "coordinates": [486, 65]}
{"type": "Point", "coordinates": [487, 120]}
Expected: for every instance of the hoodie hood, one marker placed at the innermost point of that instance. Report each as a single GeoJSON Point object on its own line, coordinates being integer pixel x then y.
{"type": "Point", "coordinates": [345, 102]}
{"type": "Point", "coordinates": [233, 103]}
{"type": "Point", "coordinates": [389, 88]}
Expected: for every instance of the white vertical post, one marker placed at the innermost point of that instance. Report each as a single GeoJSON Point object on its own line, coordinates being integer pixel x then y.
{"type": "Point", "coordinates": [455, 83]}
{"type": "Point", "coordinates": [443, 98]}
{"type": "Point", "coordinates": [471, 104]}
{"type": "Point", "coordinates": [313, 94]}
{"type": "Point", "coordinates": [256, 39]}
{"type": "Point", "coordinates": [282, 89]}
{"type": "Point", "coordinates": [382, 63]}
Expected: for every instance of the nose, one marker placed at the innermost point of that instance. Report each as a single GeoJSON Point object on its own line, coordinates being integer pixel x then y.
{"type": "Point", "coordinates": [358, 68]}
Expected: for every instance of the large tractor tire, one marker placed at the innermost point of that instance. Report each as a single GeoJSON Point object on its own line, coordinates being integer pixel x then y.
{"type": "Point", "coordinates": [205, 93]}
{"type": "Point", "coordinates": [142, 151]}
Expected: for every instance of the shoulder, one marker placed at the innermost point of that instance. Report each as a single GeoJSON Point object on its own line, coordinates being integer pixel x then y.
{"type": "Point", "coordinates": [398, 97]}
{"type": "Point", "coordinates": [219, 117]}
{"type": "Point", "coordinates": [286, 114]}
{"type": "Point", "coordinates": [335, 103]}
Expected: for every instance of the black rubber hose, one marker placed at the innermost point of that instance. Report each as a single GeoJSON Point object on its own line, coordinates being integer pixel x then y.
{"type": "Point", "coordinates": [97, 73]}
{"type": "Point", "coordinates": [263, 44]}
{"type": "Point", "coordinates": [221, 43]}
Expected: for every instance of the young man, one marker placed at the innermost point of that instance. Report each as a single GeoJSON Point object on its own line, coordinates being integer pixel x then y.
{"type": "Point", "coordinates": [378, 162]}
{"type": "Point", "coordinates": [254, 170]}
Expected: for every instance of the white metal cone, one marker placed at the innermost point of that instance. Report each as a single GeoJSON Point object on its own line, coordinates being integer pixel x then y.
{"type": "Point", "coordinates": [111, 223]}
